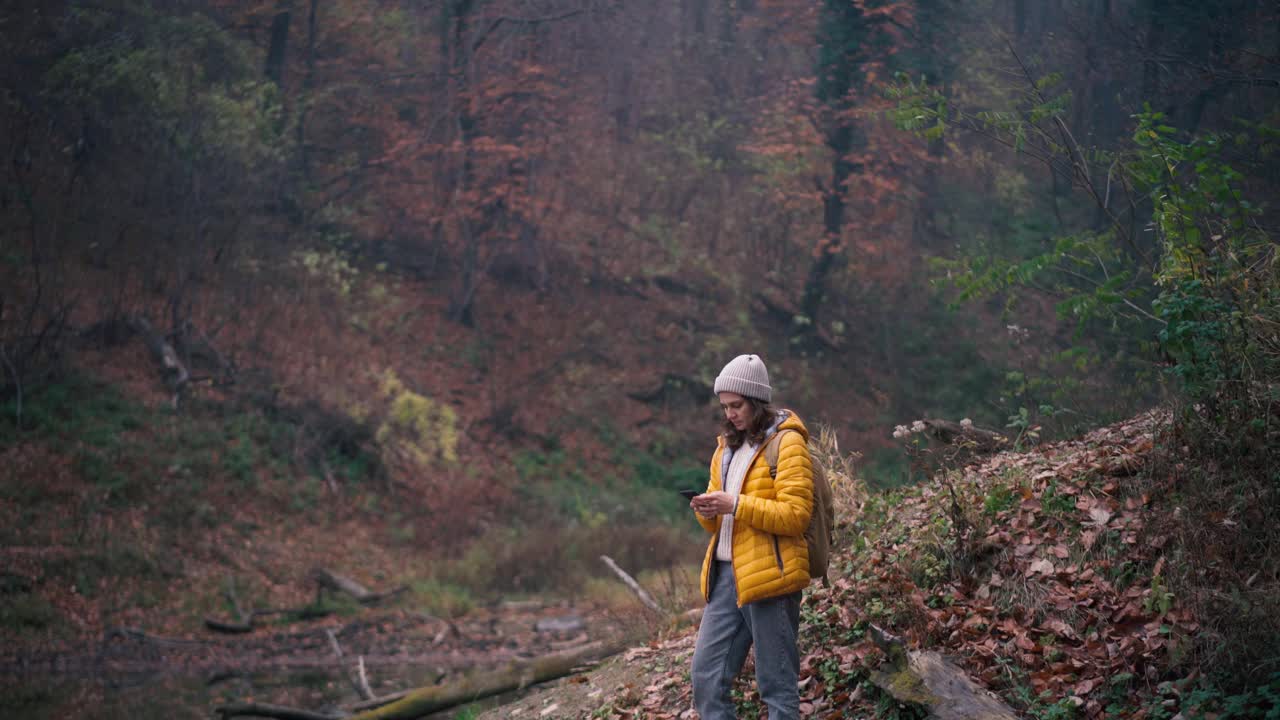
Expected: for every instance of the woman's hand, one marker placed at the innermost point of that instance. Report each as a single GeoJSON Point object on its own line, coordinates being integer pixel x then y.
{"type": "Point", "coordinates": [711, 504]}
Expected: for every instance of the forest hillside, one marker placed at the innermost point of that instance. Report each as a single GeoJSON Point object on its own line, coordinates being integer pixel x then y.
{"type": "Point", "coordinates": [428, 298]}
{"type": "Point", "coordinates": [1060, 580]}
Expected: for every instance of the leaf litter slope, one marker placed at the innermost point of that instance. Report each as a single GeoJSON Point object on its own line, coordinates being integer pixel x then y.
{"type": "Point", "coordinates": [1041, 579]}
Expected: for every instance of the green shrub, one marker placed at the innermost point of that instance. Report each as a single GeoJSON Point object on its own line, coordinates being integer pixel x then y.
{"type": "Point", "coordinates": [1056, 503]}
{"type": "Point", "coordinates": [113, 562]}
{"type": "Point", "coordinates": [415, 425]}
{"type": "Point", "coordinates": [1258, 703]}
{"type": "Point", "coordinates": [177, 82]}
{"type": "Point", "coordinates": [442, 598]}
{"type": "Point", "coordinates": [25, 612]}
{"type": "Point", "coordinates": [72, 411]}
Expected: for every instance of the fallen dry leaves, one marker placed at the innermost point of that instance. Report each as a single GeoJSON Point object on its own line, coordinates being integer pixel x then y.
{"type": "Point", "coordinates": [1055, 598]}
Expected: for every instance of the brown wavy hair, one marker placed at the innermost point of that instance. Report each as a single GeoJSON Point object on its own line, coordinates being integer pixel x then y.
{"type": "Point", "coordinates": [762, 418]}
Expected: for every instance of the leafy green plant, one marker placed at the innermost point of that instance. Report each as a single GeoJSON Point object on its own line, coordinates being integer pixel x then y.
{"type": "Point", "coordinates": [1217, 264]}
{"type": "Point", "coordinates": [746, 701]}
{"type": "Point", "coordinates": [1160, 599]}
{"type": "Point", "coordinates": [1194, 335]}
{"type": "Point", "coordinates": [1258, 703]}
{"type": "Point", "coordinates": [1055, 502]}
{"type": "Point", "coordinates": [998, 499]}
{"type": "Point", "coordinates": [1027, 431]}
{"type": "Point", "coordinates": [1041, 706]}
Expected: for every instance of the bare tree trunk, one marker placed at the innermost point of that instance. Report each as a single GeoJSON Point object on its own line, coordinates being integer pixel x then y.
{"type": "Point", "coordinates": [278, 50]}
{"type": "Point", "coordinates": [458, 48]}
{"type": "Point", "coordinates": [831, 245]}
{"type": "Point", "coordinates": [308, 81]}
{"type": "Point", "coordinates": [842, 37]}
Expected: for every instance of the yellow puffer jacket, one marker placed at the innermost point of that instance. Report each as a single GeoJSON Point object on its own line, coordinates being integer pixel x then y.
{"type": "Point", "coordinates": [770, 557]}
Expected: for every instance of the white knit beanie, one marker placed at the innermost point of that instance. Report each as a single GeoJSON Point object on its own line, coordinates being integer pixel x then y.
{"type": "Point", "coordinates": [746, 376]}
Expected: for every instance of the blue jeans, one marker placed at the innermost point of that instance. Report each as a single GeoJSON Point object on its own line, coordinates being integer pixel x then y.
{"type": "Point", "coordinates": [727, 633]}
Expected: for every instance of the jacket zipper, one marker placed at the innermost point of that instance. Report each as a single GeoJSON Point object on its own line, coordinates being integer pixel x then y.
{"type": "Point", "coordinates": [777, 554]}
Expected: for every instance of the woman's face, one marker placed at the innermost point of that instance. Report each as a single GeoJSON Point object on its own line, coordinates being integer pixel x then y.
{"type": "Point", "coordinates": [736, 410]}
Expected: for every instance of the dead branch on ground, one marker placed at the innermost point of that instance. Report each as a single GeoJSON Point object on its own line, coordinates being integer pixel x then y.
{"type": "Point", "coordinates": [329, 580]}
{"type": "Point", "coordinates": [630, 582]}
{"type": "Point", "coordinates": [175, 373]}
{"type": "Point", "coordinates": [358, 681]}
{"type": "Point", "coordinates": [423, 701]}
{"type": "Point", "coordinates": [244, 621]}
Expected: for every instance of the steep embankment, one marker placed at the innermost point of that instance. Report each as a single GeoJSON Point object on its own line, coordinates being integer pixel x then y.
{"type": "Point", "coordinates": [1038, 572]}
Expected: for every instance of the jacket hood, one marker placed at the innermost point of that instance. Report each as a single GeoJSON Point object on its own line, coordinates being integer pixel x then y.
{"type": "Point", "coordinates": [791, 421]}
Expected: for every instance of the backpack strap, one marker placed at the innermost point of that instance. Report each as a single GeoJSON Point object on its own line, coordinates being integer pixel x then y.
{"type": "Point", "coordinates": [771, 452]}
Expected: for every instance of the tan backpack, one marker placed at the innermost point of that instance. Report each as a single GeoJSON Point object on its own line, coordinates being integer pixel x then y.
{"type": "Point", "coordinates": [823, 520]}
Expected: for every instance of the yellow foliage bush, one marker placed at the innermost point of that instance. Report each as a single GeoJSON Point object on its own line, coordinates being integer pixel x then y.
{"type": "Point", "coordinates": [415, 425]}
{"type": "Point", "coordinates": [329, 267]}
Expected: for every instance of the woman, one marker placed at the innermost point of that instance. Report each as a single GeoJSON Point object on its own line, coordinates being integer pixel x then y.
{"type": "Point", "coordinates": [757, 562]}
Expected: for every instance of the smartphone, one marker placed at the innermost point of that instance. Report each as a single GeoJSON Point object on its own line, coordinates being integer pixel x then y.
{"type": "Point", "coordinates": [690, 494]}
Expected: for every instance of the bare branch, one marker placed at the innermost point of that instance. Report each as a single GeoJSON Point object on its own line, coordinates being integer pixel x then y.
{"type": "Point", "coordinates": [360, 683]}
{"type": "Point", "coordinates": [499, 21]}
{"type": "Point", "coordinates": [630, 582]}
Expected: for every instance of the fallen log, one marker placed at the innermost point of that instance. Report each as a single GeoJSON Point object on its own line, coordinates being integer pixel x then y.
{"type": "Point", "coordinates": [379, 701]}
{"type": "Point", "coordinates": [245, 620]}
{"type": "Point", "coordinates": [175, 373]}
{"type": "Point", "coordinates": [329, 580]}
{"type": "Point", "coordinates": [231, 628]}
{"type": "Point", "coordinates": [928, 679]}
{"type": "Point", "coordinates": [266, 710]}
{"type": "Point", "coordinates": [417, 703]}
{"type": "Point", "coordinates": [953, 433]}
{"type": "Point", "coordinates": [207, 349]}
{"type": "Point", "coordinates": [248, 623]}
{"type": "Point", "coordinates": [514, 676]}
